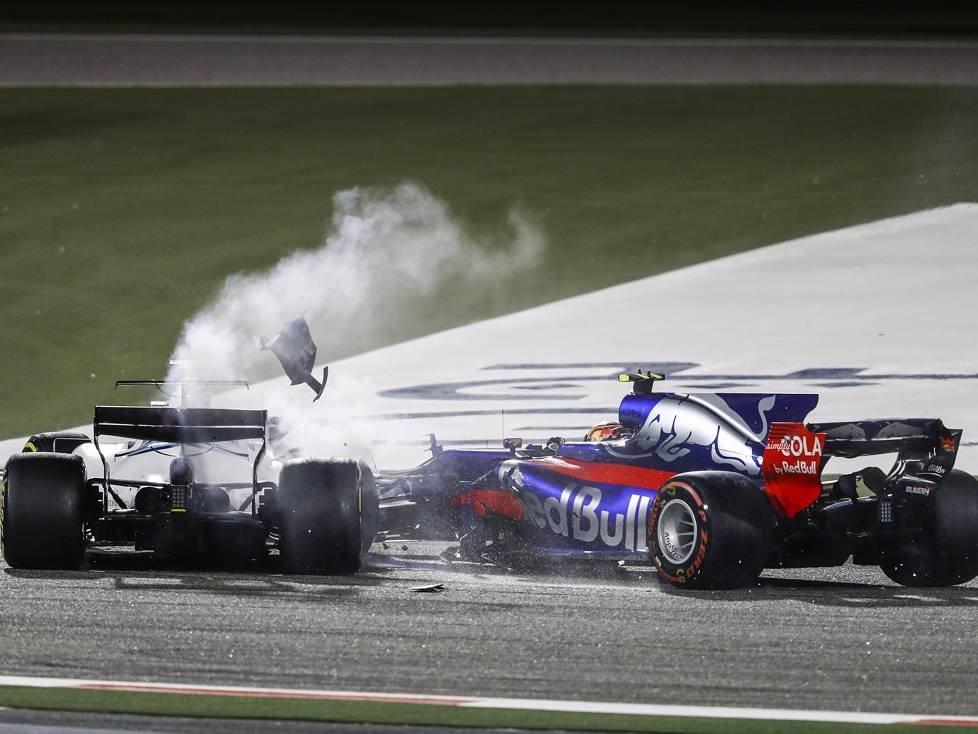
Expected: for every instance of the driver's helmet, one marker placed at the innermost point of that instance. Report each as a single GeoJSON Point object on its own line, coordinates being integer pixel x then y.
{"type": "Point", "coordinates": [606, 432]}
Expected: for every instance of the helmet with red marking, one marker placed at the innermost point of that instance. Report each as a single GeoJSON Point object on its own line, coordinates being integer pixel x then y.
{"type": "Point", "coordinates": [606, 432]}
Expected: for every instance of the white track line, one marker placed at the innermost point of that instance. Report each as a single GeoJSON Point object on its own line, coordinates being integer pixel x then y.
{"type": "Point", "coordinates": [512, 704]}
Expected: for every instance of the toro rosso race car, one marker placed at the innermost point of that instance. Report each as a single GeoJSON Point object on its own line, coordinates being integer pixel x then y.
{"type": "Point", "coordinates": [189, 483]}
{"type": "Point", "coordinates": [713, 488]}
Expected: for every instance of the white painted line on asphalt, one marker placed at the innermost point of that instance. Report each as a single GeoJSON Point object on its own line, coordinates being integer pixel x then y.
{"type": "Point", "coordinates": [513, 704]}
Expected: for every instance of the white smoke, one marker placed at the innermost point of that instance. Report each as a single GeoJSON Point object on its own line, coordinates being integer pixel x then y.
{"type": "Point", "coordinates": [386, 250]}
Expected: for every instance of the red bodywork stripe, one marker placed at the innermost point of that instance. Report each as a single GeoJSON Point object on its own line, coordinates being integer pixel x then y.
{"type": "Point", "coordinates": [602, 473]}
{"type": "Point", "coordinates": [500, 501]}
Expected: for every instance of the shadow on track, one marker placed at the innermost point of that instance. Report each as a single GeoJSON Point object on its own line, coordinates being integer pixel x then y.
{"type": "Point", "coordinates": [138, 572]}
{"type": "Point", "coordinates": [839, 594]}
{"type": "Point", "coordinates": [144, 571]}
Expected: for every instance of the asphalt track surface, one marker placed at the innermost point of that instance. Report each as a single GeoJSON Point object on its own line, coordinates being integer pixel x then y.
{"type": "Point", "coordinates": [202, 60]}
{"type": "Point", "coordinates": [842, 639]}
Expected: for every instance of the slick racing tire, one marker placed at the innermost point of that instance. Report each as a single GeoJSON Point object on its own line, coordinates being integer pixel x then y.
{"type": "Point", "coordinates": [710, 530]}
{"type": "Point", "coordinates": [63, 442]}
{"type": "Point", "coordinates": [369, 508]}
{"type": "Point", "coordinates": [320, 521]}
{"type": "Point", "coordinates": [43, 498]}
{"type": "Point", "coordinates": [949, 554]}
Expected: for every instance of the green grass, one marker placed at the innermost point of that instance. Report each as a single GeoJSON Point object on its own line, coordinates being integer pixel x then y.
{"type": "Point", "coordinates": [122, 211]}
{"type": "Point", "coordinates": [216, 706]}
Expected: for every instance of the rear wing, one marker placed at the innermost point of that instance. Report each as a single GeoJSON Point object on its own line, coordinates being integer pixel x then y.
{"type": "Point", "coordinates": [911, 438]}
{"type": "Point", "coordinates": [796, 453]}
{"type": "Point", "coordinates": [179, 425]}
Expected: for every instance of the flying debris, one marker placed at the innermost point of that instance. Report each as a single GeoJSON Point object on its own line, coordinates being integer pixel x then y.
{"type": "Point", "coordinates": [429, 588]}
{"type": "Point", "coordinates": [297, 353]}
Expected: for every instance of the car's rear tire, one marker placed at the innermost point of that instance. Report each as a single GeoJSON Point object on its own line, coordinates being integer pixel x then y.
{"type": "Point", "coordinates": [710, 530]}
{"type": "Point", "coordinates": [62, 442]}
{"type": "Point", "coordinates": [320, 518]}
{"type": "Point", "coordinates": [949, 554]}
{"type": "Point", "coordinates": [43, 503]}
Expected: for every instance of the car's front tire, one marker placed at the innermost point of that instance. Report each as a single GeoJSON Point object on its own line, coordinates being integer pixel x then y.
{"type": "Point", "coordinates": [320, 517]}
{"type": "Point", "coordinates": [949, 554]}
{"type": "Point", "coordinates": [369, 508]}
{"type": "Point", "coordinates": [62, 442]}
{"type": "Point", "coordinates": [710, 530]}
{"type": "Point", "coordinates": [43, 504]}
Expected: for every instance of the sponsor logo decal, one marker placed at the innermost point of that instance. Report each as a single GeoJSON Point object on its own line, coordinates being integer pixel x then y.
{"type": "Point", "coordinates": [576, 514]}
{"type": "Point", "coordinates": [796, 446]}
{"type": "Point", "coordinates": [791, 466]}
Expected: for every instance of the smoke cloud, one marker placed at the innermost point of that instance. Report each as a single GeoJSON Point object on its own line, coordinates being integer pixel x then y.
{"type": "Point", "coordinates": [385, 250]}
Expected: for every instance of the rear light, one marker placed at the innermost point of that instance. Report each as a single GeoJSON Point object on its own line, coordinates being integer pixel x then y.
{"type": "Point", "coordinates": [178, 498]}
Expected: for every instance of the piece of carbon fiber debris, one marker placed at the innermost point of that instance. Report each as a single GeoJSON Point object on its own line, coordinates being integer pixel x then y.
{"type": "Point", "coordinates": [429, 588]}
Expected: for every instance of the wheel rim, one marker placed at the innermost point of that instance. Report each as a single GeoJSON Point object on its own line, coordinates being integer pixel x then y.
{"type": "Point", "coordinates": [676, 531]}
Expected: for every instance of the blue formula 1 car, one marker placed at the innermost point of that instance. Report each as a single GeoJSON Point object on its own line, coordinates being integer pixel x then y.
{"type": "Point", "coordinates": [713, 488]}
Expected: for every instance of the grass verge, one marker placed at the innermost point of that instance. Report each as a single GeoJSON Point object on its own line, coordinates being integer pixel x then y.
{"type": "Point", "coordinates": [122, 211]}
{"type": "Point", "coordinates": [238, 707]}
